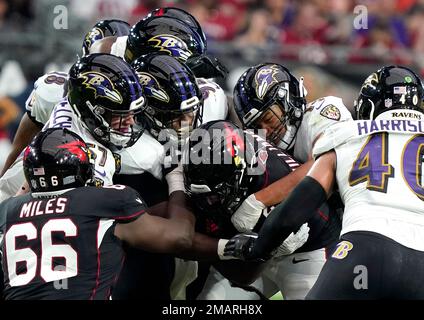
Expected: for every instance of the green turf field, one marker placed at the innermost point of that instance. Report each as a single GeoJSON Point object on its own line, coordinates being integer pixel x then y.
{"type": "Point", "coordinates": [277, 296]}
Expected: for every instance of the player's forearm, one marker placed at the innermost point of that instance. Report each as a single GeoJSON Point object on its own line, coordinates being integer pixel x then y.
{"type": "Point", "coordinates": [203, 248]}
{"type": "Point", "coordinates": [288, 216]}
{"type": "Point", "coordinates": [26, 131]}
{"type": "Point", "coordinates": [278, 191]}
{"type": "Point", "coordinates": [179, 211]}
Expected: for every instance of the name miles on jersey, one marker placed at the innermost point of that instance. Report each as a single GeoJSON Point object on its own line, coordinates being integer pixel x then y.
{"type": "Point", "coordinates": [42, 207]}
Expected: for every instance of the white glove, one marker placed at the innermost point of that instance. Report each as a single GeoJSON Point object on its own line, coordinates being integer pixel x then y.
{"type": "Point", "coordinates": [248, 214]}
{"type": "Point", "coordinates": [293, 242]}
{"type": "Point", "coordinates": [175, 180]}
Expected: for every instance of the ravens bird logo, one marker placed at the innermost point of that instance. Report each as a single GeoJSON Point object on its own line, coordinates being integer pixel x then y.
{"type": "Point", "coordinates": [171, 45]}
{"type": "Point", "coordinates": [101, 85]}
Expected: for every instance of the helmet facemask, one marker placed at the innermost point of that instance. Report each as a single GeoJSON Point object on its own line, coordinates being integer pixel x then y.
{"type": "Point", "coordinates": [287, 110]}
{"type": "Point", "coordinates": [119, 128]}
{"type": "Point", "coordinates": [223, 198]}
{"type": "Point", "coordinates": [176, 126]}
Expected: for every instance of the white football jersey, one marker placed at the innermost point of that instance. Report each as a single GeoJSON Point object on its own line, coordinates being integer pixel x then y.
{"type": "Point", "coordinates": [319, 115]}
{"type": "Point", "coordinates": [48, 90]}
{"type": "Point", "coordinates": [145, 155]}
{"type": "Point", "coordinates": [12, 179]}
{"type": "Point", "coordinates": [379, 175]}
{"type": "Point", "coordinates": [63, 116]}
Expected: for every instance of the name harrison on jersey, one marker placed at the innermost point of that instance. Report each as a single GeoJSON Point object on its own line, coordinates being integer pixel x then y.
{"type": "Point", "coordinates": [42, 207]}
{"type": "Point", "coordinates": [407, 126]}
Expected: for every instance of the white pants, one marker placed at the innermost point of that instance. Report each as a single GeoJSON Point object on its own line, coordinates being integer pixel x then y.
{"type": "Point", "coordinates": [185, 273]}
{"type": "Point", "coordinates": [293, 275]}
{"type": "Point", "coordinates": [12, 180]}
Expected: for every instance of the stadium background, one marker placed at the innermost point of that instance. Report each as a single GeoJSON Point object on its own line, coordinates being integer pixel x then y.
{"type": "Point", "coordinates": [315, 38]}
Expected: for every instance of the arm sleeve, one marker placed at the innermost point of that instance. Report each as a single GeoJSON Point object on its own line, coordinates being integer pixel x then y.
{"type": "Point", "coordinates": [288, 216]}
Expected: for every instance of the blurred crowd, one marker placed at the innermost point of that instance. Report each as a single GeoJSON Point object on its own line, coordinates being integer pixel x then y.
{"type": "Point", "coordinates": [252, 25]}
{"type": "Point", "coordinates": [305, 31]}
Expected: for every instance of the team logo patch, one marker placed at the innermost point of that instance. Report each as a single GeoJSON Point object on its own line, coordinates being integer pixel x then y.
{"type": "Point", "coordinates": [331, 112]}
{"type": "Point", "coordinates": [118, 162]}
{"type": "Point", "coordinates": [151, 87]}
{"type": "Point", "coordinates": [101, 85]}
{"type": "Point", "coordinates": [172, 45]}
{"type": "Point", "coordinates": [264, 79]}
{"type": "Point", "coordinates": [342, 250]}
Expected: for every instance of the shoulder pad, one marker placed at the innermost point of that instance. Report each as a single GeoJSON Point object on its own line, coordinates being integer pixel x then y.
{"type": "Point", "coordinates": [334, 136]}
{"type": "Point", "coordinates": [329, 107]}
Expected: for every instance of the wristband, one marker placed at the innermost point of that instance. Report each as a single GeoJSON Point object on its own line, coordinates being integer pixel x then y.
{"type": "Point", "coordinates": [175, 180]}
{"type": "Point", "coordinates": [220, 250]}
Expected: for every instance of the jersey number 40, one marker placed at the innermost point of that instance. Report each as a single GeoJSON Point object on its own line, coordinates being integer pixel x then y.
{"type": "Point", "coordinates": [372, 164]}
{"type": "Point", "coordinates": [49, 251]}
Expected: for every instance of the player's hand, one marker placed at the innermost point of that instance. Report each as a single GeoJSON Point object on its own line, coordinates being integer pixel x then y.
{"type": "Point", "coordinates": [248, 214]}
{"type": "Point", "coordinates": [293, 242]}
{"type": "Point", "coordinates": [204, 66]}
{"type": "Point", "coordinates": [240, 247]}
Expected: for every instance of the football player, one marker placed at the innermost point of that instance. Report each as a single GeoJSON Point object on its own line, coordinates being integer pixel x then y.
{"type": "Point", "coordinates": [50, 88]}
{"type": "Point", "coordinates": [376, 162]}
{"type": "Point", "coordinates": [64, 239]}
{"type": "Point", "coordinates": [103, 101]}
{"type": "Point", "coordinates": [267, 96]}
{"type": "Point", "coordinates": [177, 101]}
{"type": "Point", "coordinates": [171, 30]}
{"type": "Point", "coordinates": [221, 170]}
{"type": "Point", "coordinates": [176, 33]}
{"type": "Point", "coordinates": [175, 105]}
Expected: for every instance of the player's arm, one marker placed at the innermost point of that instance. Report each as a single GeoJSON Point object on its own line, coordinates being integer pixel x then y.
{"type": "Point", "coordinates": [205, 248]}
{"type": "Point", "coordinates": [157, 234]}
{"type": "Point", "coordinates": [280, 189]}
{"type": "Point", "coordinates": [26, 131]}
{"type": "Point", "coordinates": [249, 212]}
{"type": "Point", "coordinates": [289, 215]}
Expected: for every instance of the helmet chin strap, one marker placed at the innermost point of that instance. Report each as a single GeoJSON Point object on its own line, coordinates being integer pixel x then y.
{"type": "Point", "coordinates": [372, 109]}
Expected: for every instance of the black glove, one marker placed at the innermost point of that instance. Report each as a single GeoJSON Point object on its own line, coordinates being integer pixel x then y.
{"type": "Point", "coordinates": [240, 246]}
{"type": "Point", "coordinates": [204, 66]}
